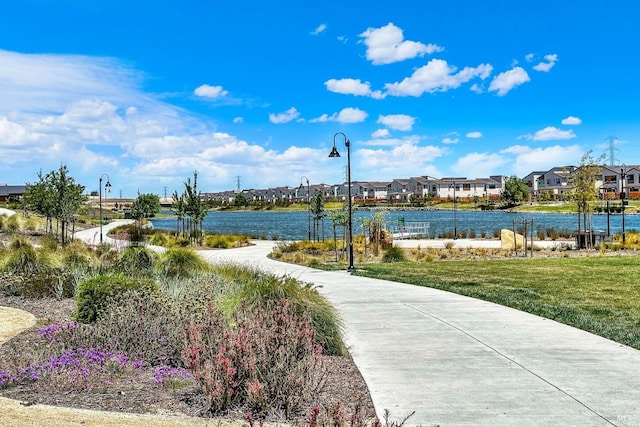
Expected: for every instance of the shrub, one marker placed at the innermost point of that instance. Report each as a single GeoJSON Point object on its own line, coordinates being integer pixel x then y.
{"type": "Point", "coordinates": [160, 238]}
{"type": "Point", "coordinates": [181, 262]}
{"type": "Point", "coordinates": [94, 293]}
{"type": "Point", "coordinates": [256, 288]}
{"type": "Point", "coordinates": [267, 361]}
{"type": "Point", "coordinates": [78, 254]}
{"type": "Point", "coordinates": [142, 323]}
{"type": "Point", "coordinates": [394, 254]}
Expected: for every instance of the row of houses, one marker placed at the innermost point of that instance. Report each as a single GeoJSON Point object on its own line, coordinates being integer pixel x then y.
{"type": "Point", "coordinates": [614, 182]}
{"type": "Point", "coordinates": [395, 191]}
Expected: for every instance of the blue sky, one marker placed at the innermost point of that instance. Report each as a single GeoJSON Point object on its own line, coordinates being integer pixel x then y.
{"type": "Point", "coordinates": [148, 92]}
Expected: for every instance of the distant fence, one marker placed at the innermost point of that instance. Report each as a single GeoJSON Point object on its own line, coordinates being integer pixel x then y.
{"type": "Point", "coordinates": [409, 230]}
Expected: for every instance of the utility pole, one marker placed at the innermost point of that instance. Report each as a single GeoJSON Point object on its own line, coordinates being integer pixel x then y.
{"type": "Point", "coordinates": [238, 182]}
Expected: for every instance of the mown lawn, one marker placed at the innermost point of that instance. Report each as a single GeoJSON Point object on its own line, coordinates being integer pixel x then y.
{"type": "Point", "coordinates": [600, 294]}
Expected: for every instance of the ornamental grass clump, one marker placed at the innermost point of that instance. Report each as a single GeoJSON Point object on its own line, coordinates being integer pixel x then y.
{"type": "Point", "coordinates": [137, 261]}
{"type": "Point", "coordinates": [181, 263]}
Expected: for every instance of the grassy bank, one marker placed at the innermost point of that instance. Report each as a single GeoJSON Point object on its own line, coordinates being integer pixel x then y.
{"type": "Point", "coordinates": [598, 294]}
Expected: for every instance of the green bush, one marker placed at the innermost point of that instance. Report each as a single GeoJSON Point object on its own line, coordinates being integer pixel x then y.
{"type": "Point", "coordinates": [94, 293]}
{"type": "Point", "coordinates": [23, 259]}
{"type": "Point", "coordinates": [394, 254]}
{"type": "Point", "coordinates": [181, 262]}
{"type": "Point", "coordinates": [12, 223]}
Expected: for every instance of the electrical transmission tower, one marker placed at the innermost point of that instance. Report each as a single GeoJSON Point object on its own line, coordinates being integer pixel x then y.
{"type": "Point", "coordinates": [613, 142]}
{"type": "Point", "coordinates": [238, 182]}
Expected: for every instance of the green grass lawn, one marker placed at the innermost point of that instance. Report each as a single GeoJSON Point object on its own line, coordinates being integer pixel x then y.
{"type": "Point", "coordinates": [600, 294]}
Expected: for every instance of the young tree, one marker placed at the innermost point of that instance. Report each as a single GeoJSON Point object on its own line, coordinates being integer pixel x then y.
{"type": "Point", "coordinates": [317, 212]}
{"type": "Point", "coordinates": [145, 206]}
{"type": "Point", "coordinates": [56, 195]}
{"type": "Point", "coordinates": [195, 208]}
{"type": "Point", "coordinates": [515, 191]}
{"type": "Point", "coordinates": [583, 183]}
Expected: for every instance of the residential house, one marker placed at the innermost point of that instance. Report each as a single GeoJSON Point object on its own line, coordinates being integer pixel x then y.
{"type": "Point", "coordinates": [10, 191]}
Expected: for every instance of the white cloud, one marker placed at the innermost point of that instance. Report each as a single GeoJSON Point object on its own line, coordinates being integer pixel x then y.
{"type": "Point", "coordinates": [386, 45]}
{"type": "Point", "coordinates": [207, 91]}
{"type": "Point", "coordinates": [449, 140]}
{"type": "Point", "coordinates": [346, 115]}
{"type": "Point", "coordinates": [550, 133]}
{"type": "Point", "coordinates": [319, 29]}
{"type": "Point", "coordinates": [437, 76]}
{"type": "Point", "coordinates": [408, 157]}
{"type": "Point", "coordinates": [527, 159]}
{"type": "Point", "coordinates": [529, 57]}
{"type": "Point", "coordinates": [92, 115]}
{"type": "Point", "coordinates": [238, 120]}
{"type": "Point", "coordinates": [401, 122]}
{"type": "Point", "coordinates": [352, 87]}
{"type": "Point", "coordinates": [480, 165]}
{"type": "Point", "coordinates": [476, 88]}
{"type": "Point", "coordinates": [546, 66]}
{"type": "Point", "coordinates": [285, 117]}
{"type": "Point", "coordinates": [571, 120]}
{"type": "Point", "coordinates": [508, 80]}
{"type": "Point", "coordinates": [474, 135]}
{"type": "Point", "coordinates": [380, 133]}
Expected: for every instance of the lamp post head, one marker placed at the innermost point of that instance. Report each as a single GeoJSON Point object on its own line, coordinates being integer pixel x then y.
{"type": "Point", "coordinates": [107, 187]}
{"type": "Point", "coordinates": [334, 152]}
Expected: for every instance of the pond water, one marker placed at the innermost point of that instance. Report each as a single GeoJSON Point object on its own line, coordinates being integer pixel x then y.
{"type": "Point", "coordinates": [294, 225]}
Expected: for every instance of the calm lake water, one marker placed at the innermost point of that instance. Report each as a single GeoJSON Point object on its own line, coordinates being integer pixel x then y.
{"type": "Point", "coordinates": [293, 225]}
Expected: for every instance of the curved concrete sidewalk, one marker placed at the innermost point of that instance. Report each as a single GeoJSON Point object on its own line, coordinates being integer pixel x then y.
{"type": "Point", "coordinates": [457, 361]}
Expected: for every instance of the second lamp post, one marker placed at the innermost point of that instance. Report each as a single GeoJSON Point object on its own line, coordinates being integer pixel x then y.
{"type": "Point", "coordinates": [335, 153]}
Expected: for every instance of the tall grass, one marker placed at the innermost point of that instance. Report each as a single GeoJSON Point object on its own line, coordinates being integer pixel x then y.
{"type": "Point", "coordinates": [181, 262]}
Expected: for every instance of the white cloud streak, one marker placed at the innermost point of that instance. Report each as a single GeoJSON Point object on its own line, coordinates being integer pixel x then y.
{"type": "Point", "coordinates": [213, 92]}
{"type": "Point", "coordinates": [284, 117]}
{"type": "Point", "coordinates": [550, 133]}
{"type": "Point", "coordinates": [353, 87]}
{"type": "Point", "coordinates": [547, 66]}
{"type": "Point", "coordinates": [400, 122]}
{"type": "Point", "coordinates": [346, 115]}
{"type": "Point", "coordinates": [571, 120]}
{"type": "Point", "coordinates": [437, 76]}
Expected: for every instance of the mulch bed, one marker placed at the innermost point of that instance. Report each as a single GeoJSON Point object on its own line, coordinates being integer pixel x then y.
{"type": "Point", "coordinates": [344, 385]}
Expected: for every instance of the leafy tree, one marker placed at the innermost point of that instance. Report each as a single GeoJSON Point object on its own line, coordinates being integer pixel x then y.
{"type": "Point", "coordinates": [56, 195]}
{"type": "Point", "coordinates": [339, 218]}
{"type": "Point", "coordinates": [145, 206]}
{"type": "Point", "coordinates": [190, 205]}
{"type": "Point", "coordinates": [179, 209]}
{"type": "Point", "coordinates": [583, 183]}
{"type": "Point", "coordinates": [240, 200]}
{"type": "Point", "coordinates": [515, 191]}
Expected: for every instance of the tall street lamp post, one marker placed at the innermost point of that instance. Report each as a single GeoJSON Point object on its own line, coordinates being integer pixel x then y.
{"type": "Point", "coordinates": [335, 153]}
{"type": "Point", "coordinates": [455, 222]}
{"type": "Point", "coordinates": [622, 198]}
{"type": "Point", "coordinates": [107, 189]}
{"type": "Point", "coordinates": [308, 205]}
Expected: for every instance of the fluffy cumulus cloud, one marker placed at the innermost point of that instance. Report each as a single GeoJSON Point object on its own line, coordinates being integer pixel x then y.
{"type": "Point", "coordinates": [437, 76]}
{"type": "Point", "coordinates": [352, 87]}
{"type": "Point", "coordinates": [474, 135]}
{"type": "Point", "coordinates": [407, 156]}
{"type": "Point", "coordinates": [386, 45]}
{"type": "Point", "coordinates": [213, 92]}
{"type": "Point", "coordinates": [346, 115]}
{"type": "Point", "coordinates": [550, 133]}
{"type": "Point", "coordinates": [504, 82]}
{"type": "Point", "coordinates": [401, 122]}
{"type": "Point", "coordinates": [284, 117]}
{"type": "Point", "coordinates": [526, 159]}
{"type": "Point", "coordinates": [450, 140]}
{"type": "Point", "coordinates": [480, 165]}
{"type": "Point", "coordinates": [571, 120]}
{"type": "Point", "coordinates": [547, 64]}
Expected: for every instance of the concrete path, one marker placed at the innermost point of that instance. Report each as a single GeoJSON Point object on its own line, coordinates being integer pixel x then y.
{"type": "Point", "coordinates": [457, 361]}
